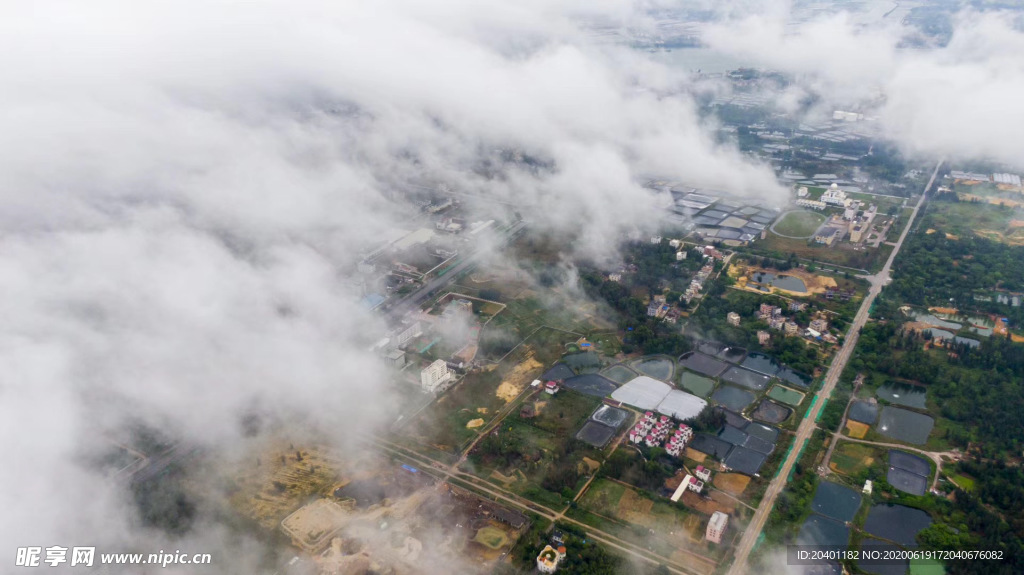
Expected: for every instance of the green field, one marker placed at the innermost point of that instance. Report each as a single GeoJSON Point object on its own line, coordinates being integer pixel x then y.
{"type": "Point", "coordinates": [799, 224]}
{"type": "Point", "coordinates": [564, 413]}
{"type": "Point", "coordinates": [964, 482]}
{"type": "Point", "coordinates": [786, 395]}
{"type": "Point", "coordinates": [853, 458]}
{"type": "Point", "coordinates": [603, 497]}
{"type": "Point", "coordinates": [997, 223]}
{"type": "Point", "coordinates": [491, 537]}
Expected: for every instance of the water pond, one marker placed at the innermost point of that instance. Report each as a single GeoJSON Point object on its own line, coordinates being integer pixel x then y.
{"type": "Point", "coordinates": [746, 378]}
{"type": "Point", "coordinates": [786, 395]}
{"type": "Point", "coordinates": [766, 280]}
{"type": "Point", "coordinates": [897, 523]}
{"type": "Point", "coordinates": [658, 368]}
{"type": "Point", "coordinates": [836, 501]}
{"type": "Point", "coordinates": [761, 363]}
{"type": "Point", "coordinates": [702, 363]}
{"type": "Point", "coordinates": [619, 373]}
{"type": "Point", "coordinates": [696, 384]}
{"type": "Point", "coordinates": [905, 425]}
{"type": "Point", "coordinates": [903, 394]}
{"type": "Point", "coordinates": [819, 530]}
{"type": "Point", "coordinates": [582, 360]}
{"type": "Point", "coordinates": [864, 412]}
{"type": "Point", "coordinates": [771, 412]}
{"type": "Point", "coordinates": [732, 354]}
{"type": "Point", "coordinates": [733, 398]}
{"type": "Point", "coordinates": [591, 384]}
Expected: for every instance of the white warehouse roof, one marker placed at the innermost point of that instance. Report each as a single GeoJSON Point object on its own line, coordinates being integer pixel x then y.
{"type": "Point", "coordinates": [642, 392]}
{"type": "Point", "coordinates": [681, 405]}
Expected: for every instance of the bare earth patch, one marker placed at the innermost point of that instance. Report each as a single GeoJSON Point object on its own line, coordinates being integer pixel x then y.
{"type": "Point", "coordinates": [856, 429]}
{"type": "Point", "coordinates": [474, 423]}
{"type": "Point", "coordinates": [732, 483]}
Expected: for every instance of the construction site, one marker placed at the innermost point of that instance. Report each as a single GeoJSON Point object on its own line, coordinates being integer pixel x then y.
{"type": "Point", "coordinates": [371, 515]}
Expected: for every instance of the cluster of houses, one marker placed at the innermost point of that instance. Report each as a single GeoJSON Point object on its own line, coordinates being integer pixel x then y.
{"type": "Point", "coordinates": [694, 483]}
{"type": "Point", "coordinates": [652, 431]}
{"type": "Point", "coordinates": [772, 314]}
{"type": "Point", "coordinates": [697, 283]}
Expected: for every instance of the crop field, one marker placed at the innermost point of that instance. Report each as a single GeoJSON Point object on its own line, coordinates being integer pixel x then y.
{"type": "Point", "coordinates": [856, 429]}
{"type": "Point", "coordinates": [853, 458]}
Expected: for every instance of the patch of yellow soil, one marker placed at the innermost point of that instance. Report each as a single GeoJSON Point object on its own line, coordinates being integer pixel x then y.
{"type": "Point", "coordinates": [695, 455]}
{"type": "Point", "coordinates": [856, 429]}
{"type": "Point", "coordinates": [474, 423]}
{"type": "Point", "coordinates": [517, 378]}
{"type": "Point", "coordinates": [732, 483]}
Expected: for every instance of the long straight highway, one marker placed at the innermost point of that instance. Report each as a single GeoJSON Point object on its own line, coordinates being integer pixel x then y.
{"type": "Point", "coordinates": [807, 426]}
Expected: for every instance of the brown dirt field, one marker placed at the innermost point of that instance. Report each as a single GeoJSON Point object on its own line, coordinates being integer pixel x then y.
{"type": "Point", "coordinates": [732, 483]}
{"type": "Point", "coordinates": [725, 503]}
{"type": "Point", "coordinates": [634, 509]}
{"type": "Point", "coordinates": [946, 310]}
{"type": "Point", "coordinates": [695, 455]}
{"type": "Point", "coordinates": [590, 465]}
{"type": "Point", "coordinates": [474, 423]}
{"type": "Point", "coordinates": [856, 429]}
{"type": "Point", "coordinates": [705, 506]}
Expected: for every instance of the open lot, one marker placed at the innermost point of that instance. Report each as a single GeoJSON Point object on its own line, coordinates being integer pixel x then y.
{"type": "Point", "coordinates": [732, 483]}
{"type": "Point", "coordinates": [798, 224]}
{"type": "Point", "coordinates": [853, 458]}
{"type": "Point", "coordinates": [998, 223]}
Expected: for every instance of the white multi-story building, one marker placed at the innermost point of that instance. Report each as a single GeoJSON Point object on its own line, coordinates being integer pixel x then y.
{"type": "Point", "coordinates": [435, 375]}
{"type": "Point", "coordinates": [716, 527]}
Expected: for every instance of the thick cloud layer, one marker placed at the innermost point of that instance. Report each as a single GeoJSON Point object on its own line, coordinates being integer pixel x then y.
{"type": "Point", "coordinates": [187, 185]}
{"type": "Point", "coordinates": [959, 100]}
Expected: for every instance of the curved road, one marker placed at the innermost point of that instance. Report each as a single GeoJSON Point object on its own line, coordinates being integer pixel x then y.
{"type": "Point", "coordinates": [807, 426]}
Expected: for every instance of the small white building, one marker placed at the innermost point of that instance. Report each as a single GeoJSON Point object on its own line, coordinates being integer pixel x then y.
{"type": "Point", "coordinates": [733, 318]}
{"type": "Point", "coordinates": [551, 388]}
{"type": "Point", "coordinates": [696, 485]}
{"type": "Point", "coordinates": [435, 375]}
{"type": "Point", "coordinates": [702, 473]}
{"type": "Point", "coordinates": [868, 487]}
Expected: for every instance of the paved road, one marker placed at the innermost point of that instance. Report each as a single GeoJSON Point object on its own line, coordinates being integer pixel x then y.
{"type": "Point", "coordinates": [807, 426]}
